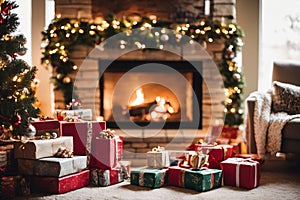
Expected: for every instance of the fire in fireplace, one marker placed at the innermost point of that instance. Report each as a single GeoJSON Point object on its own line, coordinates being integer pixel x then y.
{"type": "Point", "coordinates": [164, 94]}
{"type": "Point", "coordinates": [156, 108]}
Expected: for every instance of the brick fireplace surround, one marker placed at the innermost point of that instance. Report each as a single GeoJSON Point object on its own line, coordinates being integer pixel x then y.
{"type": "Point", "coordinates": [140, 141]}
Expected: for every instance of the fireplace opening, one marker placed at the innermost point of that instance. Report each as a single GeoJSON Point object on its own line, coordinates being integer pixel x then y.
{"type": "Point", "coordinates": [140, 100]}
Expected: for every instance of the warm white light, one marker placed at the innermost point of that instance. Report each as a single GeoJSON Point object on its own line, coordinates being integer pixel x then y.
{"type": "Point", "coordinates": [139, 97]}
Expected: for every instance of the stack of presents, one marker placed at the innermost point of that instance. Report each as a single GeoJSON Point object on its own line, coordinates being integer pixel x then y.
{"type": "Point", "coordinates": [68, 155]}
{"type": "Point", "coordinates": [201, 167]}
{"type": "Point", "coordinates": [62, 156]}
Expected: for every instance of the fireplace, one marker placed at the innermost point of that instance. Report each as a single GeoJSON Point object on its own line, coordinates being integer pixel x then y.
{"type": "Point", "coordinates": [151, 94]}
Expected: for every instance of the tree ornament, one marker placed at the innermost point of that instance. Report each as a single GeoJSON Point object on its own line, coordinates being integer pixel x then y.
{"type": "Point", "coordinates": [66, 79]}
{"type": "Point", "coordinates": [22, 53]}
{"type": "Point", "coordinates": [25, 90]}
{"type": "Point", "coordinates": [236, 76]}
{"type": "Point", "coordinates": [53, 135]}
{"type": "Point", "coordinates": [229, 54]}
{"type": "Point", "coordinates": [59, 76]}
{"type": "Point", "coordinates": [30, 131]}
{"type": "Point", "coordinates": [16, 120]}
{"type": "Point", "coordinates": [164, 37]}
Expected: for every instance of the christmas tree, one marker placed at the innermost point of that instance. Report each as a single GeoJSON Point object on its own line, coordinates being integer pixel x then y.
{"type": "Point", "coordinates": [17, 77]}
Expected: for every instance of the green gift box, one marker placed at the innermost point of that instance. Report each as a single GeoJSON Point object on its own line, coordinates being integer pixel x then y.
{"type": "Point", "coordinates": [199, 180]}
{"type": "Point", "coordinates": [153, 178]}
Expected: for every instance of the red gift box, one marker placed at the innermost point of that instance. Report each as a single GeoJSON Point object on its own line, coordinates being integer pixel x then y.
{"type": "Point", "coordinates": [175, 175]}
{"type": "Point", "coordinates": [46, 126]}
{"type": "Point", "coordinates": [240, 172]}
{"type": "Point", "coordinates": [103, 153]}
{"type": "Point", "coordinates": [216, 153]}
{"type": "Point", "coordinates": [80, 132]}
{"type": "Point", "coordinates": [54, 185]}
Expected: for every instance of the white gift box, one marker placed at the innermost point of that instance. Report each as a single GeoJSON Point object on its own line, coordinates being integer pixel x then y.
{"type": "Point", "coordinates": [158, 159]}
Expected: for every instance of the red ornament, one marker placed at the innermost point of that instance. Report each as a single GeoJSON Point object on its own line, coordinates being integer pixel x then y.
{"type": "Point", "coordinates": [22, 53]}
{"type": "Point", "coordinates": [6, 10]}
{"type": "Point", "coordinates": [16, 120]}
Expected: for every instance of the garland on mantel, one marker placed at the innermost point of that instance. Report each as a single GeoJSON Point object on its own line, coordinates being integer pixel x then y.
{"type": "Point", "coordinates": [63, 34]}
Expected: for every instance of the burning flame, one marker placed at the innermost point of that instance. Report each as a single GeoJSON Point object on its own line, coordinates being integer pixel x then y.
{"type": "Point", "coordinates": [139, 97]}
{"type": "Point", "coordinates": [161, 108]}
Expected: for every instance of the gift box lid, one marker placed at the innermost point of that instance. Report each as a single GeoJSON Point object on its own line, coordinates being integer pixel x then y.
{"type": "Point", "coordinates": [241, 161]}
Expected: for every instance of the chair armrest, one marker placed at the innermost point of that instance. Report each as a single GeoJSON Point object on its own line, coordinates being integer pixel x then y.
{"type": "Point", "coordinates": [251, 145]}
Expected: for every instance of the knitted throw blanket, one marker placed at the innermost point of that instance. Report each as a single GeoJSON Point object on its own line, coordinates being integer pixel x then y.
{"type": "Point", "coordinates": [267, 125]}
{"type": "Point", "coordinates": [276, 124]}
{"type": "Point", "coordinates": [261, 118]}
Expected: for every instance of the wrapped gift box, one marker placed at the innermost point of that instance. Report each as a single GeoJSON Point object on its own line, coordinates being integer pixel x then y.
{"type": "Point", "coordinates": [105, 177]}
{"type": "Point", "coordinates": [8, 186]}
{"type": "Point", "coordinates": [103, 154]}
{"type": "Point", "coordinates": [12, 186]}
{"type": "Point", "coordinates": [147, 177]}
{"type": "Point", "coordinates": [178, 156]}
{"type": "Point", "coordinates": [199, 180]}
{"type": "Point", "coordinates": [126, 167]}
{"type": "Point", "coordinates": [51, 166]}
{"type": "Point", "coordinates": [83, 133]}
{"type": "Point", "coordinates": [44, 126]}
{"type": "Point", "coordinates": [59, 185]}
{"type": "Point", "coordinates": [35, 149]}
{"type": "Point", "coordinates": [216, 153]}
{"type": "Point", "coordinates": [241, 172]}
{"type": "Point", "coordinates": [158, 159]}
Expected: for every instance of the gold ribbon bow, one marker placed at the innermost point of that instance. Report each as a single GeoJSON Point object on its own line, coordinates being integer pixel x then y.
{"type": "Point", "coordinates": [158, 149]}
{"type": "Point", "coordinates": [199, 161]}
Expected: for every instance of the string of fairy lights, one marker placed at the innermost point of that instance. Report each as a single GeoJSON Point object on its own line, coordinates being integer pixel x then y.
{"type": "Point", "coordinates": [63, 34]}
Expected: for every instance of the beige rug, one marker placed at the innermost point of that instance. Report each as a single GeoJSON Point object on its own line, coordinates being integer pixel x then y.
{"type": "Point", "coordinates": [276, 183]}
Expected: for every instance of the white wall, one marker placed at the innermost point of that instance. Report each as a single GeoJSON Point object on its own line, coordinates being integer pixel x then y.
{"type": "Point", "coordinates": [45, 88]}
{"type": "Point", "coordinates": [280, 36]}
{"type": "Point", "coordinates": [248, 19]}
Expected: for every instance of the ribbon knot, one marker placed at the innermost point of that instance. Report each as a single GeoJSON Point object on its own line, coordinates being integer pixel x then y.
{"type": "Point", "coordinates": [158, 149]}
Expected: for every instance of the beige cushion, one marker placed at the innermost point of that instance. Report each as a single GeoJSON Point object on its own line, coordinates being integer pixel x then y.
{"type": "Point", "coordinates": [286, 98]}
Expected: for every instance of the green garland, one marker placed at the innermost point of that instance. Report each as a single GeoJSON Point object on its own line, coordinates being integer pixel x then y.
{"type": "Point", "coordinates": [64, 34]}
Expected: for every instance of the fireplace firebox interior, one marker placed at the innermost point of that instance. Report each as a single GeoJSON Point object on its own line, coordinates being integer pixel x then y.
{"type": "Point", "coordinates": [151, 93]}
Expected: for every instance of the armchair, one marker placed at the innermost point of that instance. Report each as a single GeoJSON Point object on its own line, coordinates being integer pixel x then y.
{"type": "Point", "coordinates": [286, 72]}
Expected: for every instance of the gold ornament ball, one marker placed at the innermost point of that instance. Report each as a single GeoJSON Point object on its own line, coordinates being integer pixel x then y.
{"type": "Point", "coordinates": [67, 79]}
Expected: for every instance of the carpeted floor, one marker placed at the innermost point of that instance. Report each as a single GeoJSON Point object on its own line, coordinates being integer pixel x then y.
{"type": "Point", "coordinates": [278, 181]}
